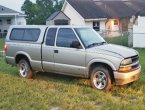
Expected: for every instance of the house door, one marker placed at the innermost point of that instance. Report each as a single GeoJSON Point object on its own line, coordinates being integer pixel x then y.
{"type": "Point", "coordinates": [113, 27]}
{"type": "Point", "coordinates": [116, 25]}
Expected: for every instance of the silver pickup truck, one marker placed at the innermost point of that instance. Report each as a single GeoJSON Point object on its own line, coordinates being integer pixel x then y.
{"type": "Point", "coordinates": [70, 50]}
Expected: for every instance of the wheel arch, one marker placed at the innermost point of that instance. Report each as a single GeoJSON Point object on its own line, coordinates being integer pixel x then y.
{"type": "Point", "coordinates": [103, 63]}
{"type": "Point", "coordinates": [22, 55]}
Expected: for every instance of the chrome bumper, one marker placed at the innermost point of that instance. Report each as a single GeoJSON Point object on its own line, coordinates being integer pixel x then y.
{"type": "Point", "coordinates": [124, 78]}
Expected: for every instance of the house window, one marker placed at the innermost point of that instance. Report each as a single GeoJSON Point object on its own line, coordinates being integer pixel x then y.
{"type": "Point", "coordinates": [0, 33]}
{"type": "Point", "coordinates": [61, 22]}
{"type": "Point", "coordinates": [96, 25]}
{"type": "Point", "coordinates": [8, 21]}
{"type": "Point", "coordinates": [0, 22]}
{"type": "Point", "coordinates": [5, 32]}
{"type": "Point", "coordinates": [116, 22]}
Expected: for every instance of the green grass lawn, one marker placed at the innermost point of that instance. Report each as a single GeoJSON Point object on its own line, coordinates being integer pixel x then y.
{"type": "Point", "coordinates": [1, 43]}
{"type": "Point", "coordinates": [49, 91]}
{"type": "Point", "coordinates": [123, 40]}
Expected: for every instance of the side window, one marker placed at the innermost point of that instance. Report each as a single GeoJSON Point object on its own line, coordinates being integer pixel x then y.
{"type": "Point", "coordinates": [31, 34]}
{"type": "Point", "coordinates": [25, 34]}
{"type": "Point", "coordinates": [50, 38]}
{"type": "Point", "coordinates": [65, 37]}
{"type": "Point", "coordinates": [17, 34]}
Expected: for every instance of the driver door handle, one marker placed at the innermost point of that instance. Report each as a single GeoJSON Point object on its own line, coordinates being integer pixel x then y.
{"type": "Point", "coordinates": [55, 51]}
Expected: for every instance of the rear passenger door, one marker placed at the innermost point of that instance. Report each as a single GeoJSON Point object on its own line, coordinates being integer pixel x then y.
{"type": "Point", "coordinates": [68, 60]}
{"type": "Point", "coordinates": [48, 50]}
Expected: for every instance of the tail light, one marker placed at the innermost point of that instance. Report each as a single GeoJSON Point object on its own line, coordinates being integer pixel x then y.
{"type": "Point", "coordinates": [5, 47]}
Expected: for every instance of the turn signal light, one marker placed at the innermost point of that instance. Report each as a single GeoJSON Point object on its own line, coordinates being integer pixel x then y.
{"type": "Point", "coordinates": [125, 69]}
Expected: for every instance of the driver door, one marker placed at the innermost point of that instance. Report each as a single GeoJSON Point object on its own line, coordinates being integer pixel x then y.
{"type": "Point", "coordinates": [68, 60]}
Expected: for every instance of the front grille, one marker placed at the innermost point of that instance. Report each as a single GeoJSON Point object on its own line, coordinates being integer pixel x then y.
{"type": "Point", "coordinates": [135, 62]}
{"type": "Point", "coordinates": [135, 58]}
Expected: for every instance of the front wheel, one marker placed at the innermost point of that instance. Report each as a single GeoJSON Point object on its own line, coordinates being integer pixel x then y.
{"type": "Point", "coordinates": [100, 78]}
{"type": "Point", "coordinates": [25, 70]}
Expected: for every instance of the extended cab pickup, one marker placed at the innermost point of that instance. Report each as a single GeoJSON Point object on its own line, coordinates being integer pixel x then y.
{"type": "Point", "coordinates": [70, 50]}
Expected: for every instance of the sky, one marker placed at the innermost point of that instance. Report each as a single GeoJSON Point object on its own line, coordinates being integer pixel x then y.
{"type": "Point", "coordinates": [13, 4]}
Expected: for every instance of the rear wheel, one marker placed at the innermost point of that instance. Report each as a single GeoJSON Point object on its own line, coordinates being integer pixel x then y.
{"type": "Point", "coordinates": [101, 79]}
{"type": "Point", "coordinates": [25, 70]}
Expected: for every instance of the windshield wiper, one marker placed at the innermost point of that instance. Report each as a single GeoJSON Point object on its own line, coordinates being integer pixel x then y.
{"type": "Point", "coordinates": [92, 45]}
{"type": "Point", "coordinates": [102, 43]}
{"type": "Point", "coordinates": [96, 44]}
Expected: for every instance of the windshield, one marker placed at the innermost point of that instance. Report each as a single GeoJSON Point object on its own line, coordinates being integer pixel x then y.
{"type": "Point", "coordinates": [89, 37]}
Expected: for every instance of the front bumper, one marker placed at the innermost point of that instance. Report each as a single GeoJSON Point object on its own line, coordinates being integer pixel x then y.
{"type": "Point", "coordinates": [125, 78]}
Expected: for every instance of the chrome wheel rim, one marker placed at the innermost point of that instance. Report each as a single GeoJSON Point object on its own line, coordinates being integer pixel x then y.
{"type": "Point", "coordinates": [23, 70]}
{"type": "Point", "coordinates": [100, 80]}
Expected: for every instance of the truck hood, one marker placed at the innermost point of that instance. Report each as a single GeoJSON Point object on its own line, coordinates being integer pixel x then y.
{"type": "Point", "coordinates": [114, 50]}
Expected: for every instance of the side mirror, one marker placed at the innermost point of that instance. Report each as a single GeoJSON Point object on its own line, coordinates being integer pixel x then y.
{"type": "Point", "coordinates": [76, 44]}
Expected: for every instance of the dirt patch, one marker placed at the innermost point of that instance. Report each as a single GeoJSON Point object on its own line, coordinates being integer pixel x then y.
{"type": "Point", "coordinates": [116, 99]}
{"type": "Point", "coordinates": [133, 99]}
{"type": "Point", "coordinates": [54, 108]}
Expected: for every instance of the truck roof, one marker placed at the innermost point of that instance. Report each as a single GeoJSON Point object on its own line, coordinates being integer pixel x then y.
{"type": "Point", "coordinates": [28, 26]}
{"type": "Point", "coordinates": [45, 26]}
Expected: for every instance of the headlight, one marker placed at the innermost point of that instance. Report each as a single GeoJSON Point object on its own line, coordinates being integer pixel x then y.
{"type": "Point", "coordinates": [126, 62]}
{"type": "Point", "coordinates": [124, 67]}
{"type": "Point", "coordinates": [137, 52]}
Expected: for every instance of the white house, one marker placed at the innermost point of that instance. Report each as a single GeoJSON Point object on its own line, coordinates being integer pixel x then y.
{"type": "Point", "coordinates": [10, 17]}
{"type": "Point", "coordinates": [108, 17]}
{"type": "Point", "coordinates": [139, 33]}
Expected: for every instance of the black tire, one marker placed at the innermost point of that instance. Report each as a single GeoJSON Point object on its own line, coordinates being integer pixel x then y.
{"type": "Point", "coordinates": [25, 70]}
{"type": "Point", "coordinates": [101, 78]}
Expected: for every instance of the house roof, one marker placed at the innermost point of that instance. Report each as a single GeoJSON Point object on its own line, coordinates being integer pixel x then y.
{"type": "Point", "coordinates": [121, 9]}
{"type": "Point", "coordinates": [87, 9]}
{"type": "Point", "coordinates": [92, 9]}
{"type": "Point", "coordinates": [55, 14]}
{"type": "Point", "coordinates": [142, 12]}
{"type": "Point", "coordinates": [5, 10]}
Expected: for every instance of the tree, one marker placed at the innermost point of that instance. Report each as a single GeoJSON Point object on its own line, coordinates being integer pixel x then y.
{"type": "Point", "coordinates": [46, 9]}
{"type": "Point", "coordinates": [27, 7]}
{"type": "Point", "coordinates": [58, 5]}
{"type": "Point", "coordinates": [37, 13]}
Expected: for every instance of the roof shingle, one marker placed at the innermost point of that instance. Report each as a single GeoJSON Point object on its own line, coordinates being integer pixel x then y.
{"type": "Point", "coordinates": [8, 10]}
{"type": "Point", "coordinates": [87, 8]}
{"type": "Point", "coordinates": [53, 15]}
{"type": "Point", "coordinates": [90, 9]}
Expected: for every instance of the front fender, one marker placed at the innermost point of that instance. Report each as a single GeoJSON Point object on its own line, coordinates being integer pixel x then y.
{"type": "Point", "coordinates": [105, 61]}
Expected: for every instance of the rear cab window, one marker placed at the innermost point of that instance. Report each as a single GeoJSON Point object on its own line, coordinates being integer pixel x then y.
{"type": "Point", "coordinates": [25, 34]}
{"type": "Point", "coordinates": [50, 38]}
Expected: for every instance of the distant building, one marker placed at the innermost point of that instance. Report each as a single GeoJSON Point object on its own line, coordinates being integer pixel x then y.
{"type": "Point", "coordinates": [10, 17]}
{"type": "Point", "coordinates": [139, 30]}
{"type": "Point", "coordinates": [109, 17]}
{"type": "Point", "coordinates": [58, 18]}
